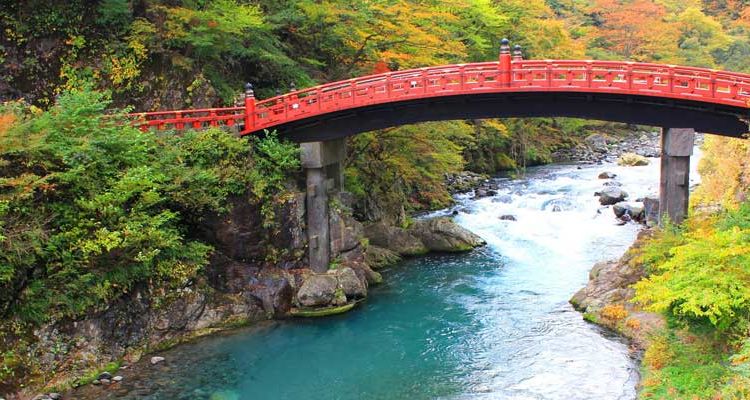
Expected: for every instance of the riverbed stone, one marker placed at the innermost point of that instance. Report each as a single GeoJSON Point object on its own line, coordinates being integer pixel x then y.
{"type": "Point", "coordinates": [353, 287]}
{"type": "Point", "coordinates": [54, 396]}
{"type": "Point", "coordinates": [156, 359]}
{"type": "Point", "coordinates": [507, 217]}
{"type": "Point", "coordinates": [317, 290]}
{"type": "Point", "coordinates": [444, 235]}
{"type": "Point", "coordinates": [634, 210]}
{"type": "Point", "coordinates": [117, 378]}
{"type": "Point", "coordinates": [395, 239]}
{"type": "Point", "coordinates": [607, 175]}
{"type": "Point", "coordinates": [105, 375]}
{"type": "Point", "coordinates": [633, 160]}
{"type": "Point", "coordinates": [611, 195]}
{"type": "Point", "coordinates": [597, 142]}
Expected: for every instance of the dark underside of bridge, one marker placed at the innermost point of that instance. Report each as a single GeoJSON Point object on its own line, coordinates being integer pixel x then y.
{"type": "Point", "coordinates": [642, 110]}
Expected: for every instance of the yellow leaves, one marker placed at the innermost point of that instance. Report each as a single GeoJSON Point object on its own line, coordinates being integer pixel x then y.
{"type": "Point", "coordinates": [658, 354]}
{"type": "Point", "coordinates": [725, 172]}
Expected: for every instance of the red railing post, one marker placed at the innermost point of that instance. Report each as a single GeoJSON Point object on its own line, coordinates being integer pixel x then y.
{"type": "Point", "coordinates": [249, 107]}
{"type": "Point", "coordinates": [505, 63]}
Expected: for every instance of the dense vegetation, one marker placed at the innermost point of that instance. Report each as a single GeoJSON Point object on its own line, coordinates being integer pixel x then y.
{"type": "Point", "coordinates": [700, 279]}
{"type": "Point", "coordinates": [90, 207]}
{"type": "Point", "coordinates": [168, 54]}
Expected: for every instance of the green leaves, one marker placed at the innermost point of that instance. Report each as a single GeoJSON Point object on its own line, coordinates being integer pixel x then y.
{"type": "Point", "coordinates": [702, 274]}
{"type": "Point", "coordinates": [91, 206]}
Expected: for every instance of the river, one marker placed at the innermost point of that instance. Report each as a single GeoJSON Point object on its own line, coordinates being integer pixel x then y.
{"type": "Point", "coordinates": [494, 323]}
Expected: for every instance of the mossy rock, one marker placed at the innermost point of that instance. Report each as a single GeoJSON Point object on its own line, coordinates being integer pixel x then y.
{"type": "Point", "coordinates": [307, 312]}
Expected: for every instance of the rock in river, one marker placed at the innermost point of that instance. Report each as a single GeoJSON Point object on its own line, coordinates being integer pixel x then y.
{"type": "Point", "coordinates": [442, 234]}
{"type": "Point", "coordinates": [396, 239]}
{"type": "Point", "coordinates": [354, 288]}
{"type": "Point", "coordinates": [317, 290]}
{"type": "Point", "coordinates": [611, 195]}
{"type": "Point", "coordinates": [634, 210]}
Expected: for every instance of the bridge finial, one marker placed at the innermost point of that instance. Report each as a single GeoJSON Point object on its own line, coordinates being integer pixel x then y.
{"type": "Point", "coordinates": [505, 46]}
{"type": "Point", "coordinates": [249, 92]}
{"type": "Point", "coordinates": [517, 53]}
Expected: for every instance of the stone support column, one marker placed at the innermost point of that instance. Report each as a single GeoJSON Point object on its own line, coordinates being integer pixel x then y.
{"type": "Point", "coordinates": [322, 164]}
{"type": "Point", "coordinates": [674, 188]}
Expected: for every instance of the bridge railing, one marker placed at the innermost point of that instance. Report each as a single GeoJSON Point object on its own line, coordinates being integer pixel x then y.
{"type": "Point", "coordinates": [526, 75]}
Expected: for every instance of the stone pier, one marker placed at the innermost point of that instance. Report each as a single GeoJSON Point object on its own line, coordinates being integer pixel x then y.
{"type": "Point", "coordinates": [322, 162]}
{"type": "Point", "coordinates": [674, 188]}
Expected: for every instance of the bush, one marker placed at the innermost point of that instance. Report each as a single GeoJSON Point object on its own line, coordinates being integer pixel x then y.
{"type": "Point", "coordinates": [90, 207]}
{"type": "Point", "coordinates": [702, 275]}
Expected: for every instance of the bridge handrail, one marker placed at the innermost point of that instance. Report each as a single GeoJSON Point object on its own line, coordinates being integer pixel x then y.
{"type": "Point", "coordinates": [635, 78]}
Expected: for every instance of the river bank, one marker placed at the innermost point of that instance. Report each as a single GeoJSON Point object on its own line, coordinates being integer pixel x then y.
{"type": "Point", "coordinates": [494, 322]}
{"type": "Point", "coordinates": [240, 293]}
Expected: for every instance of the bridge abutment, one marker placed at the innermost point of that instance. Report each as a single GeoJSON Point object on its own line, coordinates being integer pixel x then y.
{"type": "Point", "coordinates": [322, 162]}
{"type": "Point", "coordinates": [674, 188]}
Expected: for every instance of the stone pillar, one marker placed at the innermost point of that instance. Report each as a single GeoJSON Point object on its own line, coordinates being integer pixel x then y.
{"type": "Point", "coordinates": [322, 164]}
{"type": "Point", "coordinates": [674, 188]}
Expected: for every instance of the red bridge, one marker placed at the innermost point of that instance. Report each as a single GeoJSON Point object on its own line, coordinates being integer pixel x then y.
{"type": "Point", "coordinates": [681, 100]}
{"type": "Point", "coordinates": [650, 94]}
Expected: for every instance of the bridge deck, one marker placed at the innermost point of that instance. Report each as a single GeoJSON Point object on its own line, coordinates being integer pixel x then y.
{"type": "Point", "coordinates": [728, 90]}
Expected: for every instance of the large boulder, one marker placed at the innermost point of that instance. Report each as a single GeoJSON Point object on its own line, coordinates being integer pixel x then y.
{"type": "Point", "coordinates": [442, 234]}
{"type": "Point", "coordinates": [395, 239]}
{"type": "Point", "coordinates": [611, 195]}
{"type": "Point", "coordinates": [632, 160]}
{"type": "Point", "coordinates": [317, 290]}
{"type": "Point", "coordinates": [354, 288]}
{"type": "Point", "coordinates": [634, 210]}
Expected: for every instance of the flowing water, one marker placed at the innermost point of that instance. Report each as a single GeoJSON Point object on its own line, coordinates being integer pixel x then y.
{"type": "Point", "coordinates": [490, 324]}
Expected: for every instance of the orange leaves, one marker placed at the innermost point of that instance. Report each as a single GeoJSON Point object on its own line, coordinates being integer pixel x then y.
{"type": "Point", "coordinates": [636, 29]}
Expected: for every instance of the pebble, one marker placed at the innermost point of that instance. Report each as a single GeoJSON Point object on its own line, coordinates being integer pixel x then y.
{"type": "Point", "coordinates": [105, 375]}
{"type": "Point", "coordinates": [105, 381]}
{"type": "Point", "coordinates": [54, 396]}
{"type": "Point", "coordinates": [96, 382]}
{"type": "Point", "coordinates": [156, 359]}
{"type": "Point", "coordinates": [118, 378]}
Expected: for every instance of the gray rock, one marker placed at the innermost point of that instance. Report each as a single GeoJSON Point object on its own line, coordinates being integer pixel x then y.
{"type": "Point", "coordinates": [156, 359]}
{"type": "Point", "coordinates": [317, 290]}
{"type": "Point", "coordinates": [597, 143]}
{"type": "Point", "coordinates": [117, 378]}
{"type": "Point", "coordinates": [607, 175]}
{"type": "Point", "coordinates": [105, 381]}
{"type": "Point", "coordinates": [104, 375]}
{"type": "Point", "coordinates": [612, 183]}
{"type": "Point", "coordinates": [54, 396]}
{"type": "Point", "coordinates": [96, 382]}
{"type": "Point", "coordinates": [41, 397]}
{"type": "Point", "coordinates": [507, 218]}
{"type": "Point", "coordinates": [624, 208]}
{"type": "Point", "coordinates": [442, 234]}
{"type": "Point", "coordinates": [353, 287]}
{"type": "Point", "coordinates": [396, 239]}
{"type": "Point", "coordinates": [611, 195]}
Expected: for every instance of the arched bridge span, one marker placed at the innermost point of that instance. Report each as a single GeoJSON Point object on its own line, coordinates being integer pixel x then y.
{"type": "Point", "coordinates": [641, 93]}
{"type": "Point", "coordinates": [679, 99]}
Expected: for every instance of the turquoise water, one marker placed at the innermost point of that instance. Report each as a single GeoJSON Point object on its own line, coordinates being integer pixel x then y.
{"type": "Point", "coordinates": [490, 324]}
